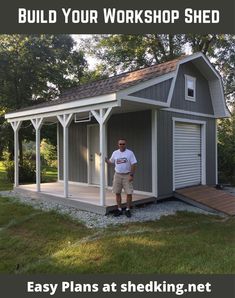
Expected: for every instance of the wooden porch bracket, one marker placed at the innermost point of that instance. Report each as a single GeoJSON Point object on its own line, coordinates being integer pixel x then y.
{"type": "Point", "coordinates": [16, 126]}
{"type": "Point", "coordinates": [65, 120]}
{"type": "Point", "coordinates": [37, 124]}
{"type": "Point", "coordinates": [102, 116]}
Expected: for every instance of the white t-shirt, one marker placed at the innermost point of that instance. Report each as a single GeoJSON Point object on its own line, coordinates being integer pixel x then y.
{"type": "Point", "coordinates": [123, 160]}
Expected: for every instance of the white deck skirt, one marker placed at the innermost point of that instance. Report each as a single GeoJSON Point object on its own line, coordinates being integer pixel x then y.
{"type": "Point", "coordinates": [187, 154]}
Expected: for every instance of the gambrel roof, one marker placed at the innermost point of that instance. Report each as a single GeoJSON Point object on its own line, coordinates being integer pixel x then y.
{"type": "Point", "coordinates": [120, 87]}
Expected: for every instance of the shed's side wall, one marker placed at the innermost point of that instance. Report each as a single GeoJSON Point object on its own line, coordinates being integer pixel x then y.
{"type": "Point", "coordinates": [136, 128]}
{"type": "Point", "coordinates": [203, 102]}
{"type": "Point", "coordinates": [165, 150]}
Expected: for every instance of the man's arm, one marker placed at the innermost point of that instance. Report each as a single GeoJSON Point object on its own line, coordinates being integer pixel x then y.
{"type": "Point", "coordinates": [108, 161]}
{"type": "Point", "coordinates": [132, 172]}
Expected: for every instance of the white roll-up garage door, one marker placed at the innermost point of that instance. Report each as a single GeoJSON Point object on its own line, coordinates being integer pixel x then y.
{"type": "Point", "coordinates": [187, 154]}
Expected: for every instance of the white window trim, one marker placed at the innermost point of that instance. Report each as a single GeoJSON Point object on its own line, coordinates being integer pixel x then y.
{"type": "Point", "coordinates": [187, 97]}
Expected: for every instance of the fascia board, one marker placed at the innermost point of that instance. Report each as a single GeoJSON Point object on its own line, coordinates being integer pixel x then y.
{"type": "Point", "coordinates": [54, 109]}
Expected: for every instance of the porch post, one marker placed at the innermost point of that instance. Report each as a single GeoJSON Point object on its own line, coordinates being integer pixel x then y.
{"type": "Point", "coordinates": [37, 124]}
{"type": "Point", "coordinates": [102, 117]}
{"type": "Point", "coordinates": [58, 151]}
{"type": "Point", "coordinates": [102, 159]}
{"type": "Point", "coordinates": [65, 121]}
{"type": "Point", "coordinates": [16, 126]}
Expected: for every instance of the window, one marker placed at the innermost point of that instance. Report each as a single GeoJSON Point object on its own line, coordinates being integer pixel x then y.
{"type": "Point", "coordinates": [190, 88]}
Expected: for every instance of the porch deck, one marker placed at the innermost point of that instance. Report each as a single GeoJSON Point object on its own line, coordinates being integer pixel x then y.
{"type": "Point", "coordinates": [84, 197]}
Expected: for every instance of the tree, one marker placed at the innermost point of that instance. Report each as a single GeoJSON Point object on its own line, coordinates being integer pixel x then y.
{"type": "Point", "coordinates": [33, 69]}
{"type": "Point", "coordinates": [121, 52]}
{"type": "Point", "coordinates": [220, 48]}
{"type": "Point", "coordinates": [226, 148]}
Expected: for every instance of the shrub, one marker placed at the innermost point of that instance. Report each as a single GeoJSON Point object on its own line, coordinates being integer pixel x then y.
{"type": "Point", "coordinates": [27, 168]}
{"type": "Point", "coordinates": [48, 153]}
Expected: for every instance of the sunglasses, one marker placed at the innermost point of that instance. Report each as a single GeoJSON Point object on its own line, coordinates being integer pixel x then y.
{"type": "Point", "coordinates": [122, 144]}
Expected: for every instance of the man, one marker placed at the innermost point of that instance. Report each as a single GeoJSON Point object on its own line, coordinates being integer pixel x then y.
{"type": "Point", "coordinates": [125, 166]}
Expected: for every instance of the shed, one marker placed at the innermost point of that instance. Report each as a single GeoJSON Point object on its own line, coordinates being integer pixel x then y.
{"type": "Point", "coordinates": [167, 113]}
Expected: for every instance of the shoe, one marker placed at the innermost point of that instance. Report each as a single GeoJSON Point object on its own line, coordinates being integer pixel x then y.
{"type": "Point", "coordinates": [128, 213]}
{"type": "Point", "coordinates": [117, 213]}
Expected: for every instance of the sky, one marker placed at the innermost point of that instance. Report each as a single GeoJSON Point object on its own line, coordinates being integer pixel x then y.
{"type": "Point", "coordinates": [92, 62]}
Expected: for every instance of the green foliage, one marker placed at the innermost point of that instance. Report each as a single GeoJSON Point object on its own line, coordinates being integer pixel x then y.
{"type": "Point", "coordinates": [5, 184]}
{"type": "Point", "coordinates": [27, 168]}
{"type": "Point", "coordinates": [226, 149]}
{"type": "Point", "coordinates": [48, 153]}
{"type": "Point", "coordinates": [33, 69]}
{"type": "Point", "coordinates": [221, 49]}
{"type": "Point", "coordinates": [47, 175]}
{"type": "Point", "coordinates": [121, 52]}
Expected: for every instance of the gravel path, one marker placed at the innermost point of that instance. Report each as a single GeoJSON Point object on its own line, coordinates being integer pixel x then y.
{"type": "Point", "coordinates": [148, 213]}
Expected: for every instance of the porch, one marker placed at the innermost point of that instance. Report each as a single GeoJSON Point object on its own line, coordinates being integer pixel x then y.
{"type": "Point", "coordinates": [81, 154]}
{"type": "Point", "coordinates": [84, 197]}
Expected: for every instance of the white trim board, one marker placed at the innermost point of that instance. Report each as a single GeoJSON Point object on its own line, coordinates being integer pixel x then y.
{"type": "Point", "coordinates": [58, 150]}
{"type": "Point", "coordinates": [70, 111]}
{"type": "Point", "coordinates": [203, 147]}
{"type": "Point", "coordinates": [188, 112]}
{"type": "Point", "coordinates": [154, 154]}
{"type": "Point", "coordinates": [64, 106]}
{"type": "Point", "coordinates": [142, 100]}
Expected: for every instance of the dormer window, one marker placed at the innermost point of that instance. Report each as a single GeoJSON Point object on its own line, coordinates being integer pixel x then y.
{"type": "Point", "coordinates": [190, 88]}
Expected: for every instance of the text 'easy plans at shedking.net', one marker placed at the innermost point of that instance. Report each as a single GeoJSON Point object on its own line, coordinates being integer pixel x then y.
{"type": "Point", "coordinates": [117, 16]}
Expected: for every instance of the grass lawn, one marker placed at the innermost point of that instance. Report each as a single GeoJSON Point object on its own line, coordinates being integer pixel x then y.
{"type": "Point", "coordinates": [49, 175]}
{"type": "Point", "coordinates": [32, 241]}
{"type": "Point", "coordinates": [4, 183]}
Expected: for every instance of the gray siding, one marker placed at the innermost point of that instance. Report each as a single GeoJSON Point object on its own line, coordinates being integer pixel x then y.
{"type": "Point", "coordinates": [77, 152]}
{"type": "Point", "coordinates": [136, 128]}
{"type": "Point", "coordinates": [156, 92]}
{"type": "Point", "coordinates": [165, 147]}
{"type": "Point", "coordinates": [203, 102]}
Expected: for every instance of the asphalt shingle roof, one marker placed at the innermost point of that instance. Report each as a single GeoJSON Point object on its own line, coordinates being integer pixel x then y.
{"type": "Point", "coordinates": [112, 84]}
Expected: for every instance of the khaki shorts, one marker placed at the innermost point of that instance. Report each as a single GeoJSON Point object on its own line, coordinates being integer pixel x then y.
{"type": "Point", "coordinates": [120, 181]}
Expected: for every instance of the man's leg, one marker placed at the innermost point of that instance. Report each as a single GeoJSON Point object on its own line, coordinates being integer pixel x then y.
{"type": "Point", "coordinates": [118, 212]}
{"type": "Point", "coordinates": [128, 201]}
{"type": "Point", "coordinates": [119, 200]}
{"type": "Point", "coordinates": [117, 188]}
{"type": "Point", "coordinates": [128, 187]}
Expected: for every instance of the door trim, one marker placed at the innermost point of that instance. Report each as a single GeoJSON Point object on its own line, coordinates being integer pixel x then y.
{"type": "Point", "coordinates": [203, 146]}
